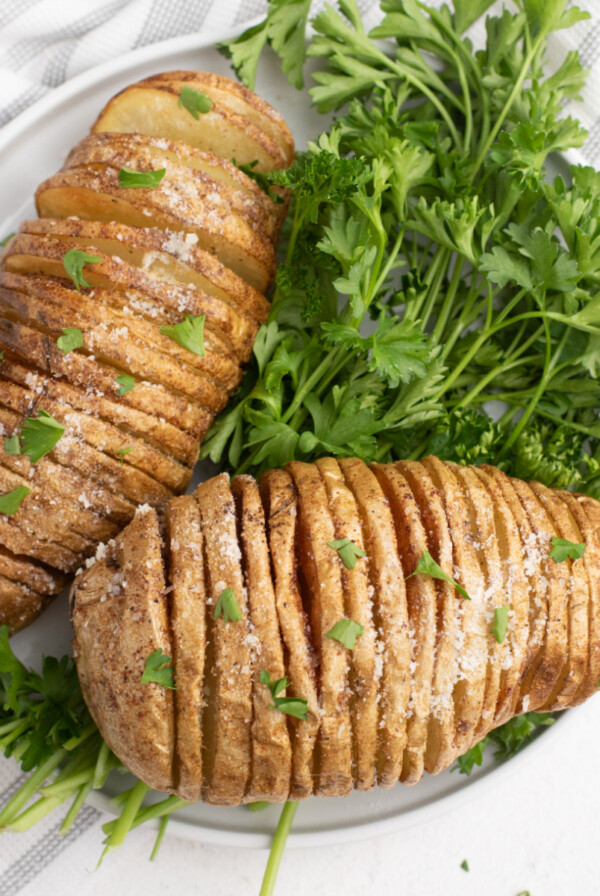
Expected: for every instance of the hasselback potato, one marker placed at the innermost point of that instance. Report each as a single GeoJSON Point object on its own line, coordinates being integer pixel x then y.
{"type": "Point", "coordinates": [336, 626]}
{"type": "Point", "coordinates": [127, 312]}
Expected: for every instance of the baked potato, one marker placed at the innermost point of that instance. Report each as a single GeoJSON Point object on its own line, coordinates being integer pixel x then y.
{"type": "Point", "coordinates": [341, 626]}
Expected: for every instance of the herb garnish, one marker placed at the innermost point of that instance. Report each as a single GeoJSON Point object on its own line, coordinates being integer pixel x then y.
{"type": "Point", "coordinates": [348, 551]}
{"type": "Point", "coordinates": [500, 625]}
{"type": "Point", "coordinates": [126, 383]}
{"type": "Point", "coordinates": [293, 706]}
{"type": "Point", "coordinates": [561, 549]}
{"type": "Point", "coordinates": [428, 567]}
{"type": "Point", "coordinates": [121, 452]}
{"type": "Point", "coordinates": [195, 102]}
{"type": "Point", "coordinates": [6, 239]}
{"type": "Point", "coordinates": [346, 631]}
{"type": "Point", "coordinates": [189, 333]}
{"type": "Point", "coordinates": [227, 607]}
{"type": "Point", "coordinates": [12, 444]}
{"type": "Point", "coordinates": [133, 179]}
{"type": "Point", "coordinates": [39, 435]}
{"type": "Point", "coordinates": [11, 501]}
{"type": "Point", "coordinates": [74, 260]}
{"type": "Point", "coordinates": [71, 339]}
{"type": "Point", "coordinates": [159, 670]}
{"type": "Point", "coordinates": [464, 865]}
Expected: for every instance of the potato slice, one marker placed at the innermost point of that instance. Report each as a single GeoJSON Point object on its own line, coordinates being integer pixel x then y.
{"type": "Point", "coordinates": [94, 193]}
{"type": "Point", "coordinates": [322, 580]}
{"type": "Point", "coordinates": [280, 501]}
{"type": "Point", "coordinates": [228, 765]}
{"type": "Point", "coordinates": [40, 579]}
{"type": "Point", "coordinates": [517, 595]}
{"type": "Point", "coordinates": [440, 749]}
{"type": "Point", "coordinates": [578, 597]}
{"type": "Point", "coordinates": [170, 256]}
{"type": "Point", "coordinates": [85, 372]}
{"type": "Point", "coordinates": [390, 615]}
{"type": "Point", "coordinates": [271, 749]}
{"type": "Point", "coordinates": [227, 332]}
{"type": "Point", "coordinates": [137, 152]}
{"type": "Point", "coordinates": [119, 612]}
{"type": "Point", "coordinates": [586, 519]}
{"type": "Point", "coordinates": [556, 645]}
{"type": "Point", "coordinates": [422, 611]}
{"type": "Point", "coordinates": [115, 346]}
{"type": "Point", "coordinates": [188, 627]}
{"type": "Point", "coordinates": [236, 97]}
{"type": "Point", "coordinates": [152, 107]}
{"type": "Point", "coordinates": [493, 595]}
{"type": "Point", "coordinates": [472, 630]}
{"type": "Point", "coordinates": [358, 606]}
{"type": "Point", "coordinates": [19, 604]}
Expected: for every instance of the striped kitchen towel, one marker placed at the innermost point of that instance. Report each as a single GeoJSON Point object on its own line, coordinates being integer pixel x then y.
{"type": "Point", "coordinates": [42, 44]}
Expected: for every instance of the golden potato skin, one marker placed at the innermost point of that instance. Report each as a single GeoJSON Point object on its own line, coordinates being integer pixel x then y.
{"type": "Point", "coordinates": [426, 677]}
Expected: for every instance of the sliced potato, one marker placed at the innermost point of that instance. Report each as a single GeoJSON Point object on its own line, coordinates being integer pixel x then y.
{"type": "Point", "coordinates": [578, 596]}
{"type": "Point", "coordinates": [517, 594]}
{"type": "Point", "coordinates": [281, 502]}
{"type": "Point", "coordinates": [119, 613]}
{"type": "Point", "coordinates": [390, 614]}
{"type": "Point", "coordinates": [170, 256]}
{"type": "Point", "coordinates": [422, 610]}
{"type": "Point", "coordinates": [38, 578]}
{"type": "Point", "coordinates": [34, 347]}
{"type": "Point", "coordinates": [440, 747]}
{"type": "Point", "coordinates": [95, 194]}
{"type": "Point", "coordinates": [227, 332]}
{"type": "Point", "coordinates": [228, 769]}
{"type": "Point", "coordinates": [188, 627]}
{"type": "Point", "coordinates": [271, 749]}
{"type": "Point", "coordinates": [586, 518]}
{"type": "Point", "coordinates": [152, 107]}
{"type": "Point", "coordinates": [20, 605]}
{"type": "Point", "coordinates": [322, 579]}
{"type": "Point", "coordinates": [358, 607]}
{"type": "Point", "coordinates": [472, 630]}
{"type": "Point", "coordinates": [27, 543]}
{"type": "Point", "coordinates": [115, 346]}
{"type": "Point", "coordinates": [212, 180]}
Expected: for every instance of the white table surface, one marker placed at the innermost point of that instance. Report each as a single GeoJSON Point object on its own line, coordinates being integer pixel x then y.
{"type": "Point", "coordinates": [538, 832]}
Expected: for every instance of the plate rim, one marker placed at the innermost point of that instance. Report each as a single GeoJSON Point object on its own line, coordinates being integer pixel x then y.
{"type": "Point", "coordinates": [193, 830]}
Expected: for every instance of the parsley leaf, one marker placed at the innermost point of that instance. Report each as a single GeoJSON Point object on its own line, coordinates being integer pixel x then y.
{"type": "Point", "coordinates": [126, 383]}
{"type": "Point", "coordinates": [261, 179]}
{"type": "Point", "coordinates": [464, 865]}
{"type": "Point", "coordinates": [39, 435]}
{"type": "Point", "coordinates": [121, 452]}
{"type": "Point", "coordinates": [189, 333]}
{"type": "Point", "coordinates": [159, 670]}
{"type": "Point", "coordinates": [346, 631]}
{"type": "Point", "coordinates": [293, 706]}
{"type": "Point", "coordinates": [74, 260]}
{"type": "Point", "coordinates": [428, 567]}
{"type": "Point", "coordinates": [194, 101]}
{"type": "Point", "coordinates": [7, 239]}
{"type": "Point", "coordinates": [500, 625]}
{"type": "Point", "coordinates": [348, 551]}
{"type": "Point", "coordinates": [561, 549]}
{"type": "Point", "coordinates": [227, 607]}
{"type": "Point", "coordinates": [12, 444]}
{"type": "Point", "coordinates": [130, 178]}
{"type": "Point", "coordinates": [71, 339]}
{"type": "Point", "coordinates": [11, 501]}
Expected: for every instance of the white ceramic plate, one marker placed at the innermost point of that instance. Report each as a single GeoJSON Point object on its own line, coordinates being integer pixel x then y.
{"type": "Point", "coordinates": [33, 147]}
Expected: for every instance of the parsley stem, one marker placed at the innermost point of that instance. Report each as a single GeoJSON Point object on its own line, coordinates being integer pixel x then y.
{"type": "Point", "coordinates": [75, 808]}
{"type": "Point", "coordinates": [127, 817]}
{"type": "Point", "coordinates": [162, 827]}
{"type": "Point", "coordinates": [148, 813]}
{"type": "Point", "coordinates": [103, 766]}
{"type": "Point", "coordinates": [36, 812]}
{"type": "Point", "coordinates": [29, 787]}
{"type": "Point", "coordinates": [277, 848]}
